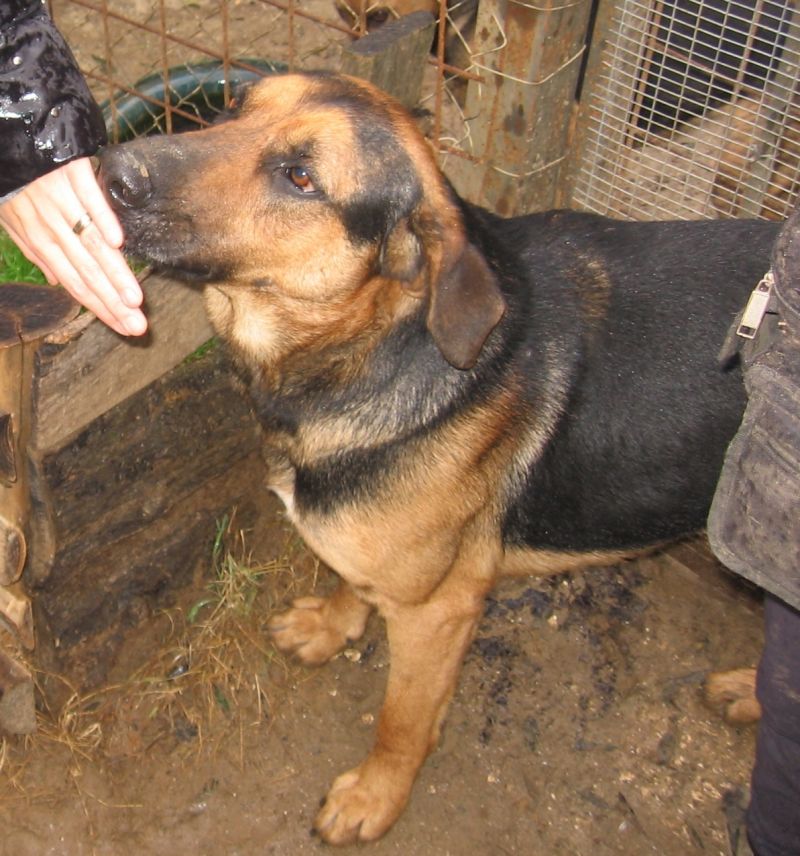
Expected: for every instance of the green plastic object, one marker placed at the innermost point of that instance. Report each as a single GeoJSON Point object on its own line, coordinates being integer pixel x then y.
{"type": "Point", "coordinates": [195, 88]}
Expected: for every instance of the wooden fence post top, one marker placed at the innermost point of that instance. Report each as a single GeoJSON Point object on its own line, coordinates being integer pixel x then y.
{"type": "Point", "coordinates": [394, 56]}
{"type": "Point", "coordinates": [29, 312]}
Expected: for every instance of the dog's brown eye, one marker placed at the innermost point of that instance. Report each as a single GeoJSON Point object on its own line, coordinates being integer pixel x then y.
{"type": "Point", "coordinates": [300, 178]}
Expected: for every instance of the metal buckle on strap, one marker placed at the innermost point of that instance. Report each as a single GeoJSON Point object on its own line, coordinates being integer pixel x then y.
{"type": "Point", "coordinates": [756, 308]}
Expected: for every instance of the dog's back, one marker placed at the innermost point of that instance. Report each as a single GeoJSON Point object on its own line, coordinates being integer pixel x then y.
{"type": "Point", "coordinates": [636, 314]}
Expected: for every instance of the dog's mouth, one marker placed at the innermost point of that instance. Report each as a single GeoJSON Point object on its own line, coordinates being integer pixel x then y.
{"type": "Point", "coordinates": [169, 245]}
{"type": "Point", "coordinates": [191, 272]}
{"type": "Point", "coordinates": [188, 270]}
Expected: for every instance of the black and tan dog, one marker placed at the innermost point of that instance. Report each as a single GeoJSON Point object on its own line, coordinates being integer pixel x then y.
{"type": "Point", "coordinates": [446, 396]}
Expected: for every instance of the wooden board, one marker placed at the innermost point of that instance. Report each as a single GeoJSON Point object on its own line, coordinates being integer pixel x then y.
{"type": "Point", "coordinates": [393, 57]}
{"type": "Point", "coordinates": [85, 369]}
{"type": "Point", "coordinates": [521, 112]}
{"type": "Point", "coordinates": [17, 708]}
{"type": "Point", "coordinates": [594, 70]}
{"type": "Point", "coordinates": [125, 511]}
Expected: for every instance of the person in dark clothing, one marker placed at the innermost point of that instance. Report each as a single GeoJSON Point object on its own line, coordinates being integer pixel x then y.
{"type": "Point", "coordinates": [50, 202]}
{"type": "Point", "coordinates": [773, 816]}
{"type": "Point", "coordinates": [754, 529]}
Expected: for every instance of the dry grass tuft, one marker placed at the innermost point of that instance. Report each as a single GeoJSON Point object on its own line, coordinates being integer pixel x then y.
{"type": "Point", "coordinates": [208, 683]}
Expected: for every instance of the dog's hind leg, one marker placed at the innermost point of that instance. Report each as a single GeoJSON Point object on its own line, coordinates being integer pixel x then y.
{"type": "Point", "coordinates": [427, 643]}
{"type": "Point", "coordinates": [317, 628]}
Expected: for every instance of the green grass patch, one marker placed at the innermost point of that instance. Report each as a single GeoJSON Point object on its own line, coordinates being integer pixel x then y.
{"type": "Point", "coordinates": [14, 267]}
{"type": "Point", "coordinates": [204, 349]}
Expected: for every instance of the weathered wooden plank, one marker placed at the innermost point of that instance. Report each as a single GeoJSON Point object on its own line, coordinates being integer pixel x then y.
{"type": "Point", "coordinates": [529, 56]}
{"type": "Point", "coordinates": [393, 57]}
{"type": "Point", "coordinates": [27, 314]}
{"type": "Point", "coordinates": [131, 465]}
{"type": "Point", "coordinates": [593, 75]}
{"type": "Point", "coordinates": [15, 612]}
{"type": "Point", "coordinates": [125, 511]}
{"type": "Point", "coordinates": [15, 380]}
{"type": "Point", "coordinates": [17, 708]}
{"type": "Point", "coordinates": [94, 600]}
{"type": "Point", "coordinates": [86, 369]}
{"type": "Point", "coordinates": [694, 560]}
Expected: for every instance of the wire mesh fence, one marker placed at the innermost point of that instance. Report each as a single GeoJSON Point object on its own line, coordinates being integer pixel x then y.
{"type": "Point", "coordinates": [695, 112]}
{"type": "Point", "coordinates": [183, 58]}
{"type": "Point", "coordinates": [167, 65]}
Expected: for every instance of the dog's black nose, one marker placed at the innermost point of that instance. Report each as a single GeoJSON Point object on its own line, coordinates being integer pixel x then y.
{"type": "Point", "coordinates": [125, 177]}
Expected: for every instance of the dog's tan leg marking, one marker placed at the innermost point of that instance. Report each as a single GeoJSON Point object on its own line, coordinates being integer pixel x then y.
{"type": "Point", "coordinates": [734, 695]}
{"type": "Point", "coordinates": [317, 628]}
{"type": "Point", "coordinates": [427, 644]}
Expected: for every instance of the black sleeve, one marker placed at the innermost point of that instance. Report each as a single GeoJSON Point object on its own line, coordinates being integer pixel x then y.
{"type": "Point", "coordinates": [47, 114]}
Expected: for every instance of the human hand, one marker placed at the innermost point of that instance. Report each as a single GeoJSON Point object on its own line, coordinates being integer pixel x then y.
{"type": "Point", "coordinates": [48, 221]}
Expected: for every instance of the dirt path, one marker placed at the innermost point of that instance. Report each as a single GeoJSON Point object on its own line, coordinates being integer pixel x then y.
{"type": "Point", "coordinates": [578, 728]}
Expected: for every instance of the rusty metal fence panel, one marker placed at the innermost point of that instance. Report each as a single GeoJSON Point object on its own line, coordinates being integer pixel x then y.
{"type": "Point", "coordinates": [686, 108]}
{"type": "Point", "coordinates": [498, 85]}
{"type": "Point", "coordinates": [128, 48]}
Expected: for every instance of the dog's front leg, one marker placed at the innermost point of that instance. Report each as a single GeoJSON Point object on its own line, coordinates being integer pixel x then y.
{"type": "Point", "coordinates": [427, 644]}
{"type": "Point", "coordinates": [317, 628]}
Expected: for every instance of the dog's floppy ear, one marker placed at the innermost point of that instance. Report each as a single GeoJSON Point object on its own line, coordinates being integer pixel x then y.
{"type": "Point", "coordinates": [465, 306]}
{"type": "Point", "coordinates": [465, 303]}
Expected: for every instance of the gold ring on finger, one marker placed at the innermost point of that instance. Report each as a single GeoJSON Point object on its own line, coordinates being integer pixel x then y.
{"type": "Point", "coordinates": [83, 221]}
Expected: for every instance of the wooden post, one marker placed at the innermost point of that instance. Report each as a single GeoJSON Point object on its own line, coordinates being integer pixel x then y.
{"type": "Point", "coordinates": [393, 57]}
{"type": "Point", "coordinates": [27, 314]}
{"type": "Point", "coordinates": [529, 56]}
{"type": "Point", "coordinates": [17, 704]}
{"type": "Point", "coordinates": [592, 76]}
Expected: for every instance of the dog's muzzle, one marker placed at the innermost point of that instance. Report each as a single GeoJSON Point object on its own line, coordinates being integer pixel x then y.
{"type": "Point", "coordinates": [126, 178]}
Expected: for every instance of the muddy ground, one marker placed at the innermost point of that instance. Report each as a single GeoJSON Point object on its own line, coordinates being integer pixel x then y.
{"type": "Point", "coordinates": [578, 726]}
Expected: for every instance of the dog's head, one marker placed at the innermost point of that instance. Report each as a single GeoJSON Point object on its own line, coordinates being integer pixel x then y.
{"type": "Point", "coordinates": [318, 214]}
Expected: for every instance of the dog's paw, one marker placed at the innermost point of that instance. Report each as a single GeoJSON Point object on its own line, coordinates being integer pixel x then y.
{"type": "Point", "coordinates": [311, 630]}
{"type": "Point", "coordinates": [733, 694]}
{"type": "Point", "coordinates": [363, 803]}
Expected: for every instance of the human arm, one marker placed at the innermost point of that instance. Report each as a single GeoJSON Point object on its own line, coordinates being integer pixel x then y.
{"type": "Point", "coordinates": [90, 266]}
{"type": "Point", "coordinates": [49, 125]}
